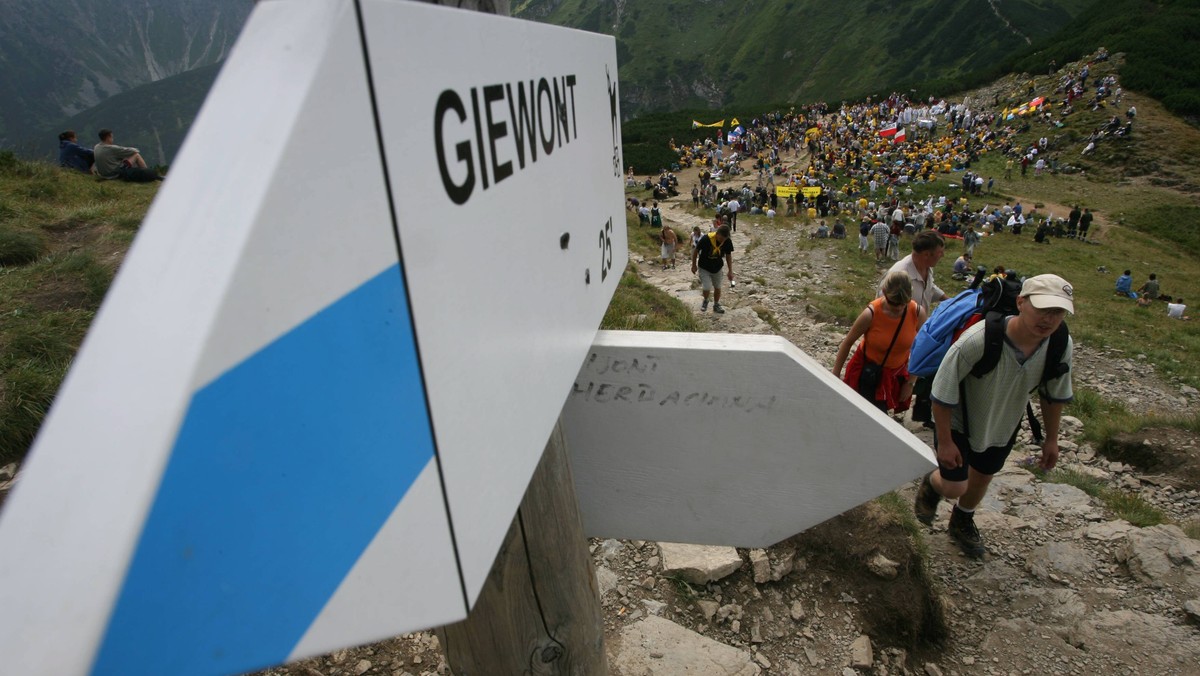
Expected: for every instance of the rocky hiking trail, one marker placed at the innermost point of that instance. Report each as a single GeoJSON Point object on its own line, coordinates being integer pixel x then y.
{"type": "Point", "coordinates": [1063, 589]}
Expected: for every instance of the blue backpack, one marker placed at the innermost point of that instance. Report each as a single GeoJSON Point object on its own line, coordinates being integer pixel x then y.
{"type": "Point", "coordinates": [939, 331]}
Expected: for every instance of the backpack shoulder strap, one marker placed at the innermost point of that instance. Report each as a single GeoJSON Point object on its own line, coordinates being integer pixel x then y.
{"type": "Point", "coordinates": [993, 343]}
{"type": "Point", "coordinates": [1054, 367]}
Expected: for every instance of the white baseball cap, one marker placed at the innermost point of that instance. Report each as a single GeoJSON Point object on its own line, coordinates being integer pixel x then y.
{"type": "Point", "coordinates": [1049, 291]}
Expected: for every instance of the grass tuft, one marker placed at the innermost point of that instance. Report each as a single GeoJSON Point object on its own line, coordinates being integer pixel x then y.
{"type": "Point", "coordinates": [638, 305]}
{"type": "Point", "coordinates": [768, 316]}
{"type": "Point", "coordinates": [901, 510]}
{"type": "Point", "coordinates": [20, 247]}
{"type": "Point", "coordinates": [1123, 505]}
{"type": "Point", "coordinates": [1191, 528]}
{"type": "Point", "coordinates": [1133, 508]}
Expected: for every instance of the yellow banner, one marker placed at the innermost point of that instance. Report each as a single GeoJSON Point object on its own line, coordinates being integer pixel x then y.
{"type": "Point", "coordinates": [714, 124]}
{"type": "Point", "coordinates": [811, 192]}
{"type": "Point", "coordinates": [786, 191]}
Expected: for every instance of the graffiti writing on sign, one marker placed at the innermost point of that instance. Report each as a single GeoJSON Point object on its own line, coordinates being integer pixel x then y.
{"type": "Point", "coordinates": [644, 394]}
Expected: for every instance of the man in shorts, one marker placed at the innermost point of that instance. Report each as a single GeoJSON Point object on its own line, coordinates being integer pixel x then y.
{"type": "Point", "coordinates": [713, 252]}
{"type": "Point", "coordinates": [669, 240]}
{"type": "Point", "coordinates": [977, 417]}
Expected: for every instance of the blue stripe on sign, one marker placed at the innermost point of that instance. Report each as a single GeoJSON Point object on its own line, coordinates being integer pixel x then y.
{"type": "Point", "coordinates": [285, 468]}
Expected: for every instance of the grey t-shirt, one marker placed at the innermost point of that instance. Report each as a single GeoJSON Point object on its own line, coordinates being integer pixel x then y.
{"type": "Point", "coordinates": [109, 158]}
{"type": "Point", "coordinates": [996, 401]}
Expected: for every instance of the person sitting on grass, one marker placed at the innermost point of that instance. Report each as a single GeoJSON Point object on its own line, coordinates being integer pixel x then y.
{"type": "Point", "coordinates": [71, 155]}
{"type": "Point", "coordinates": [1125, 285]}
{"type": "Point", "coordinates": [119, 162]}
{"type": "Point", "coordinates": [1149, 290]}
{"type": "Point", "coordinates": [1176, 310]}
{"type": "Point", "coordinates": [962, 267]}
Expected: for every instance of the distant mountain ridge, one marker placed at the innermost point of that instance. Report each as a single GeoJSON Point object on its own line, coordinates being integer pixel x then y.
{"type": "Point", "coordinates": [710, 56]}
{"type": "Point", "coordinates": [61, 57]}
{"type": "Point", "coordinates": [727, 52]}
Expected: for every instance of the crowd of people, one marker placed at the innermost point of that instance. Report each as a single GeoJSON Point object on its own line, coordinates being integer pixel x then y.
{"type": "Point", "coordinates": [877, 164]}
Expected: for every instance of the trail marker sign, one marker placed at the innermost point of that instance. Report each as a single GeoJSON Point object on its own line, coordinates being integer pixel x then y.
{"type": "Point", "coordinates": [723, 439]}
{"type": "Point", "coordinates": [310, 405]}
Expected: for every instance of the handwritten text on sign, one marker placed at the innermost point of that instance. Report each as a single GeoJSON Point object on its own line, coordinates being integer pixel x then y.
{"type": "Point", "coordinates": [606, 379]}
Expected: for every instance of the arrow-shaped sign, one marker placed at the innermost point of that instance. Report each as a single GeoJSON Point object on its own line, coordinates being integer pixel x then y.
{"type": "Point", "coordinates": [723, 439]}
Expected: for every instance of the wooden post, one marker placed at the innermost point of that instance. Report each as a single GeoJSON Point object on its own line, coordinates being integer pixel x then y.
{"type": "Point", "coordinates": [539, 611]}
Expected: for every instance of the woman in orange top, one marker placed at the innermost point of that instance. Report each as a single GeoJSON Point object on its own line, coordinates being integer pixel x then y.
{"type": "Point", "coordinates": [877, 325]}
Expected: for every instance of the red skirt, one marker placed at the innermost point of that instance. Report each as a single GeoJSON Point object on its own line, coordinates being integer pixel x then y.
{"type": "Point", "coordinates": [888, 392]}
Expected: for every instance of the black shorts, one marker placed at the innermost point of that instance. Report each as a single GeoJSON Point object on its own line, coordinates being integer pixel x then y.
{"type": "Point", "coordinates": [989, 461]}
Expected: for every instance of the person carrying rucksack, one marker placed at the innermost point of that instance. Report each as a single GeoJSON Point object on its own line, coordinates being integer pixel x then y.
{"type": "Point", "coordinates": [879, 369]}
{"type": "Point", "coordinates": [977, 414]}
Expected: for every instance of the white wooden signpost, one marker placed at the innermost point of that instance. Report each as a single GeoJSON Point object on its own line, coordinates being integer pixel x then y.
{"type": "Point", "coordinates": [309, 407]}
{"type": "Point", "coordinates": [723, 439]}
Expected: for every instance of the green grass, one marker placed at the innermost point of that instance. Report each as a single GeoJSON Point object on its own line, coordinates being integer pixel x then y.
{"type": "Point", "coordinates": [18, 247]}
{"type": "Point", "coordinates": [1133, 508]}
{"type": "Point", "coordinates": [768, 316]}
{"type": "Point", "coordinates": [1191, 528]}
{"type": "Point", "coordinates": [638, 305]}
{"type": "Point", "coordinates": [755, 242]}
{"type": "Point", "coordinates": [901, 510]}
{"type": "Point", "coordinates": [1123, 505]}
{"type": "Point", "coordinates": [59, 232]}
{"type": "Point", "coordinates": [1102, 320]}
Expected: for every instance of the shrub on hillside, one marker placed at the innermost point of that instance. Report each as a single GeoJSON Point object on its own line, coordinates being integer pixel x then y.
{"type": "Point", "coordinates": [19, 248]}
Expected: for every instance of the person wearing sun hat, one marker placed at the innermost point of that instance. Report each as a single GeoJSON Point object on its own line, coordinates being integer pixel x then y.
{"type": "Point", "coordinates": [977, 416]}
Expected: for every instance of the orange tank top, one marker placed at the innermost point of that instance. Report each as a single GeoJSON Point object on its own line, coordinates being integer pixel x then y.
{"type": "Point", "coordinates": [883, 327]}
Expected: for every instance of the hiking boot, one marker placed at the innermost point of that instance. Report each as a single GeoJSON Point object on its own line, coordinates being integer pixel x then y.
{"type": "Point", "coordinates": [718, 309]}
{"type": "Point", "coordinates": [704, 305]}
{"type": "Point", "coordinates": [962, 528]}
{"type": "Point", "coordinates": [927, 501]}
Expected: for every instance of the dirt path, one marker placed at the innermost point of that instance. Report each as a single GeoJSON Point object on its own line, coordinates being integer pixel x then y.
{"type": "Point", "coordinates": [1043, 562]}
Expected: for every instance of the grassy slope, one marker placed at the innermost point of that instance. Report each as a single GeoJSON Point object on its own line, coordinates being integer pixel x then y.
{"type": "Point", "coordinates": [154, 118]}
{"type": "Point", "coordinates": [1147, 224]}
{"type": "Point", "coordinates": [62, 235]}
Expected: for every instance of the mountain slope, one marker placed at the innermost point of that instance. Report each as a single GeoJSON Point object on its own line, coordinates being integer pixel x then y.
{"type": "Point", "coordinates": [153, 118]}
{"type": "Point", "coordinates": [679, 53]}
{"type": "Point", "coordinates": [60, 57]}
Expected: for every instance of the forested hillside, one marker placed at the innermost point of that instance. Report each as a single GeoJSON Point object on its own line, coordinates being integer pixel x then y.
{"type": "Point", "coordinates": [677, 54]}
{"type": "Point", "coordinates": [61, 57]}
{"type": "Point", "coordinates": [683, 54]}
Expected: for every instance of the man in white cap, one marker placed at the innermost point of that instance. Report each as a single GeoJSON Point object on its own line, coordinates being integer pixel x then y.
{"type": "Point", "coordinates": [977, 415]}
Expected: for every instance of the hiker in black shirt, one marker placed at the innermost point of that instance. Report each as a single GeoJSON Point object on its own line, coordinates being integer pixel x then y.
{"type": "Point", "coordinates": [709, 255]}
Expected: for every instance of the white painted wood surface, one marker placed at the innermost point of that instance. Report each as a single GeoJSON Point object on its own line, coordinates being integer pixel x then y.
{"type": "Point", "coordinates": [503, 312]}
{"type": "Point", "coordinates": [275, 214]}
{"type": "Point", "coordinates": [723, 439]}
